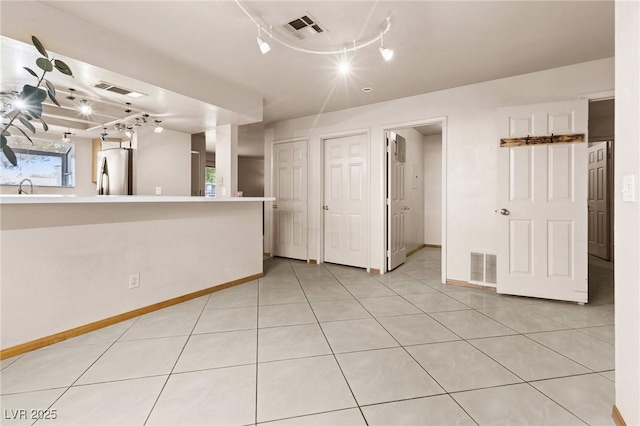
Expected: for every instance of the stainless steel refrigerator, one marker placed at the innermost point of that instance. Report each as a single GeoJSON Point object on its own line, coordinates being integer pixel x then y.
{"type": "Point", "coordinates": [115, 167]}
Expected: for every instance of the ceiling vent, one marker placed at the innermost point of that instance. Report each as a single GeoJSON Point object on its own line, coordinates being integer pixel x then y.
{"type": "Point", "coordinates": [119, 90]}
{"type": "Point", "coordinates": [304, 27]}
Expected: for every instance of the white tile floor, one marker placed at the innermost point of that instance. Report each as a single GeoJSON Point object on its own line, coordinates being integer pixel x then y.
{"type": "Point", "coordinates": [332, 345]}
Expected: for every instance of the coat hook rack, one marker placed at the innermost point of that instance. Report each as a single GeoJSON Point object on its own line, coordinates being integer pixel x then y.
{"type": "Point", "coordinates": [543, 140]}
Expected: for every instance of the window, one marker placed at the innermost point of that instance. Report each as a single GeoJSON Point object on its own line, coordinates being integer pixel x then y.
{"type": "Point", "coordinates": [210, 182]}
{"type": "Point", "coordinates": [45, 162]}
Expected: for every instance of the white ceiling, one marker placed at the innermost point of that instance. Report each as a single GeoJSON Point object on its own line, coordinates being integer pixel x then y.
{"type": "Point", "coordinates": [437, 44]}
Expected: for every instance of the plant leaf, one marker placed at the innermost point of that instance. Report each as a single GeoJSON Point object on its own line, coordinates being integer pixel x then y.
{"type": "Point", "coordinates": [26, 123]}
{"type": "Point", "coordinates": [33, 98]}
{"type": "Point", "coordinates": [62, 67]}
{"type": "Point", "coordinates": [5, 131]}
{"type": "Point", "coordinates": [53, 98]}
{"type": "Point", "coordinates": [11, 156]}
{"type": "Point", "coordinates": [23, 132]}
{"type": "Point", "coordinates": [32, 72]}
{"type": "Point", "coordinates": [50, 87]}
{"type": "Point", "coordinates": [45, 126]}
{"type": "Point", "coordinates": [39, 46]}
{"type": "Point", "coordinates": [44, 64]}
{"type": "Point", "coordinates": [3, 141]}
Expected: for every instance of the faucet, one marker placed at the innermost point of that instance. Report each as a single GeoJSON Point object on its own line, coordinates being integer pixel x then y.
{"type": "Point", "coordinates": [22, 191]}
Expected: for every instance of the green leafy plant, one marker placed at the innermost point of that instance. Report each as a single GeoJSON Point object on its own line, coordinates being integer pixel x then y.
{"type": "Point", "coordinates": [26, 106]}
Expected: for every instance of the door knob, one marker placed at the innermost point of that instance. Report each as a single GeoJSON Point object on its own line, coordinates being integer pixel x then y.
{"type": "Point", "coordinates": [325, 207]}
{"type": "Point", "coordinates": [504, 212]}
{"type": "Point", "coordinates": [407, 208]}
{"type": "Point", "coordinates": [275, 206]}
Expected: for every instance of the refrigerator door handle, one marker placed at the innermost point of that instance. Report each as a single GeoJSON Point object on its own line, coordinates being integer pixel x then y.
{"type": "Point", "coordinates": [103, 178]}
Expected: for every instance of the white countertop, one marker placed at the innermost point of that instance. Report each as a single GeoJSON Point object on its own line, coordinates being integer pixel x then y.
{"type": "Point", "coordinates": [64, 199]}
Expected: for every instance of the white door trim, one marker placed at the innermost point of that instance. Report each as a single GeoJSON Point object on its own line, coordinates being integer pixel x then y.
{"type": "Point", "coordinates": [273, 189]}
{"type": "Point", "coordinates": [423, 122]}
{"type": "Point", "coordinates": [323, 138]}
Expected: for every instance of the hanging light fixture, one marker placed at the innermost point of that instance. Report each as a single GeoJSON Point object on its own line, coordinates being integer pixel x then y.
{"type": "Point", "coordinates": [357, 44]}
{"type": "Point", "coordinates": [157, 127]}
{"type": "Point", "coordinates": [263, 45]}
{"type": "Point", "coordinates": [386, 53]}
{"type": "Point", "coordinates": [65, 137]}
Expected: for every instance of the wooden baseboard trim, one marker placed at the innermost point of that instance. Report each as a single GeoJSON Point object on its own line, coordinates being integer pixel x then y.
{"type": "Point", "coordinates": [374, 271]}
{"type": "Point", "coordinates": [415, 250]}
{"type": "Point", "coordinates": [617, 417]}
{"type": "Point", "coordinates": [313, 261]}
{"type": "Point", "coordinates": [74, 332]}
{"type": "Point", "coordinates": [433, 245]}
{"type": "Point", "coordinates": [470, 285]}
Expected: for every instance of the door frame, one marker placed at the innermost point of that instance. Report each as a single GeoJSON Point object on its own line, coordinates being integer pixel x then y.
{"type": "Point", "coordinates": [272, 185]}
{"type": "Point", "coordinates": [410, 124]}
{"type": "Point", "coordinates": [323, 139]}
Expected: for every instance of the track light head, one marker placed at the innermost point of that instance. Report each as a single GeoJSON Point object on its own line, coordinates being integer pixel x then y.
{"type": "Point", "coordinates": [386, 53]}
{"type": "Point", "coordinates": [263, 45]}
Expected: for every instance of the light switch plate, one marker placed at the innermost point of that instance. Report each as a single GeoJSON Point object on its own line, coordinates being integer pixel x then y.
{"type": "Point", "coordinates": [629, 188]}
{"type": "Point", "coordinates": [158, 190]}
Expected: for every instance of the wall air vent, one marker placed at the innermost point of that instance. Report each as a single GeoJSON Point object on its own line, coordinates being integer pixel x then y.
{"type": "Point", "coordinates": [482, 268]}
{"type": "Point", "coordinates": [117, 89]}
{"type": "Point", "coordinates": [304, 27]}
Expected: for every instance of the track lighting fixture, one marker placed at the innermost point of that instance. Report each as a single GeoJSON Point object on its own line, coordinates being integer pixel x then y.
{"type": "Point", "coordinates": [264, 46]}
{"type": "Point", "coordinates": [386, 53]}
{"type": "Point", "coordinates": [357, 44]}
{"type": "Point", "coordinates": [65, 137]}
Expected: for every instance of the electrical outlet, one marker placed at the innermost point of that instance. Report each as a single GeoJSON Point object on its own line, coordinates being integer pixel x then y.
{"type": "Point", "coordinates": [158, 190]}
{"type": "Point", "coordinates": [134, 281]}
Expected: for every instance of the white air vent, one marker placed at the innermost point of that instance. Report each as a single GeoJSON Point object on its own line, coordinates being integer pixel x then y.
{"type": "Point", "coordinates": [117, 89]}
{"type": "Point", "coordinates": [304, 27]}
{"type": "Point", "coordinates": [482, 268]}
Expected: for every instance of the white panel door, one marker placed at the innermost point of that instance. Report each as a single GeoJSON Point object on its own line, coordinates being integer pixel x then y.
{"type": "Point", "coordinates": [290, 207]}
{"type": "Point", "coordinates": [396, 205]}
{"type": "Point", "coordinates": [542, 201]}
{"type": "Point", "coordinates": [346, 200]}
{"type": "Point", "coordinates": [598, 201]}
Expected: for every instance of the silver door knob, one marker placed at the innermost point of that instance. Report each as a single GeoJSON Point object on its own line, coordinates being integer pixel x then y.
{"type": "Point", "coordinates": [504, 212]}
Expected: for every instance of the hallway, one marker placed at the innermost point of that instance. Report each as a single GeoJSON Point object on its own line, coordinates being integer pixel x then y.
{"type": "Point", "coordinates": [332, 345]}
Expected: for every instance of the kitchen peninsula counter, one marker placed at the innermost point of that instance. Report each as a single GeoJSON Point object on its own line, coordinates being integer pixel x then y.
{"type": "Point", "coordinates": [67, 261]}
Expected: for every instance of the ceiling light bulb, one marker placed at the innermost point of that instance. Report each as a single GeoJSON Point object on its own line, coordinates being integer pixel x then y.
{"type": "Point", "coordinates": [344, 67]}
{"type": "Point", "coordinates": [85, 109]}
{"type": "Point", "coordinates": [158, 129]}
{"type": "Point", "coordinates": [386, 53]}
{"type": "Point", "coordinates": [19, 104]}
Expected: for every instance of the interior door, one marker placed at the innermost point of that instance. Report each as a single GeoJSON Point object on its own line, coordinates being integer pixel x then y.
{"type": "Point", "coordinates": [598, 201]}
{"type": "Point", "coordinates": [396, 205]}
{"type": "Point", "coordinates": [290, 207]}
{"type": "Point", "coordinates": [542, 201]}
{"type": "Point", "coordinates": [346, 199]}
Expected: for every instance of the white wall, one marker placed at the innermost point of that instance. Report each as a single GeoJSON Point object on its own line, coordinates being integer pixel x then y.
{"type": "Point", "coordinates": [413, 190]}
{"type": "Point", "coordinates": [162, 160]}
{"type": "Point", "coordinates": [472, 143]}
{"type": "Point", "coordinates": [627, 215]}
{"type": "Point", "coordinates": [433, 189]}
{"type": "Point", "coordinates": [68, 265]}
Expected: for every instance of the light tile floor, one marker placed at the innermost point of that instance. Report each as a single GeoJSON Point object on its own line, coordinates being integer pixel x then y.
{"type": "Point", "coordinates": [332, 345]}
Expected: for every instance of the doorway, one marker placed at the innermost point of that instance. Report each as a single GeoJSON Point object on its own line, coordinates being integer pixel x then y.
{"type": "Point", "coordinates": [424, 192]}
{"type": "Point", "coordinates": [601, 205]}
